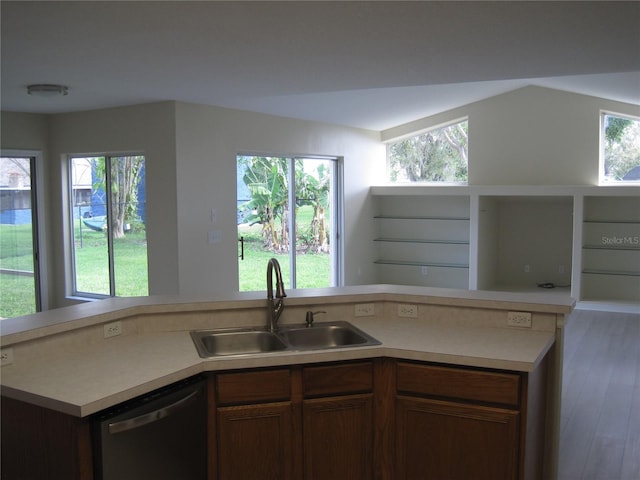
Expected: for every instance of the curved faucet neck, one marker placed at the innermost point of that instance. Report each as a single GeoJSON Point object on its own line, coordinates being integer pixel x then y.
{"type": "Point", "coordinates": [274, 308]}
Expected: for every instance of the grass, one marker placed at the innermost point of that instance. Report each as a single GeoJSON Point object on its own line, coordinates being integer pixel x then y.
{"type": "Point", "coordinates": [130, 256]}
{"type": "Point", "coordinates": [130, 263]}
{"type": "Point", "coordinates": [16, 253]}
{"type": "Point", "coordinates": [312, 270]}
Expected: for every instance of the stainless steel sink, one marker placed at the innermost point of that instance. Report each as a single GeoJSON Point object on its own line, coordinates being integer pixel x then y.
{"type": "Point", "coordinates": [326, 335]}
{"type": "Point", "coordinates": [212, 343]}
{"type": "Point", "coordinates": [246, 341]}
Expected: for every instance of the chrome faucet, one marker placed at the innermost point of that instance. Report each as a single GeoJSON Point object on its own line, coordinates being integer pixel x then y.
{"type": "Point", "coordinates": [275, 307]}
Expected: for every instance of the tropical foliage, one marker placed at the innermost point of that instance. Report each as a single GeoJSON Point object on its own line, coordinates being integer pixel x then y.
{"type": "Point", "coordinates": [268, 181]}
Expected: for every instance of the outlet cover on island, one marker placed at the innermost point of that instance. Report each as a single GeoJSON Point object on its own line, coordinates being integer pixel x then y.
{"type": "Point", "coordinates": [113, 329]}
{"type": "Point", "coordinates": [407, 311]}
{"type": "Point", "coordinates": [364, 310]}
{"type": "Point", "coordinates": [519, 319]}
{"type": "Point", "coordinates": [6, 356]}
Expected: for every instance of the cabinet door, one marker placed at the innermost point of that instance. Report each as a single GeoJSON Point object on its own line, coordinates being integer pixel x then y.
{"type": "Point", "coordinates": [438, 440]}
{"type": "Point", "coordinates": [338, 437]}
{"type": "Point", "coordinates": [255, 442]}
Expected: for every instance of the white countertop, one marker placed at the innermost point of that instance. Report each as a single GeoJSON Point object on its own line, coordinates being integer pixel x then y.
{"type": "Point", "coordinates": [91, 377]}
{"type": "Point", "coordinates": [83, 377]}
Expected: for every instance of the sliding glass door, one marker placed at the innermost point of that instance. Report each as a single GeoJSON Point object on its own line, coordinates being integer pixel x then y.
{"type": "Point", "coordinates": [19, 274]}
{"type": "Point", "coordinates": [288, 209]}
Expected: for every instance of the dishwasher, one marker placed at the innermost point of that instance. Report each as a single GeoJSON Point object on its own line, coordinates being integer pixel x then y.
{"type": "Point", "coordinates": [159, 436]}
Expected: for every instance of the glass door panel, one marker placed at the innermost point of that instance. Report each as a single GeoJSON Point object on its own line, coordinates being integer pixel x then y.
{"type": "Point", "coordinates": [19, 292]}
{"type": "Point", "coordinates": [293, 225]}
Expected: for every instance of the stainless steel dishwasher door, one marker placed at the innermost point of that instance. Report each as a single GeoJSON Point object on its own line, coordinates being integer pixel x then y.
{"type": "Point", "coordinates": [161, 436]}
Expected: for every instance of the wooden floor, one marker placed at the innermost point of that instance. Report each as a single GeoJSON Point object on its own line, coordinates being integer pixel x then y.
{"type": "Point", "coordinates": [600, 421]}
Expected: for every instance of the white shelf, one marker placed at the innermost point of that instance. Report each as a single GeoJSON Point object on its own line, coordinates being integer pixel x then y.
{"type": "Point", "coordinates": [420, 240]}
{"type": "Point", "coordinates": [586, 238]}
{"type": "Point", "coordinates": [420, 264]}
{"type": "Point", "coordinates": [427, 232]}
{"type": "Point", "coordinates": [611, 249]}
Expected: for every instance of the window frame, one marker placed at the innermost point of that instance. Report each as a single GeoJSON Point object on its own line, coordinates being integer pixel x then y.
{"type": "Point", "coordinates": [74, 293]}
{"type": "Point", "coordinates": [41, 291]}
{"type": "Point", "coordinates": [416, 133]}
{"type": "Point", "coordinates": [337, 214]}
{"type": "Point", "coordinates": [602, 179]}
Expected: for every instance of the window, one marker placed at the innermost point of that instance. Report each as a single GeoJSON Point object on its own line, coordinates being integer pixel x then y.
{"type": "Point", "coordinates": [19, 259]}
{"type": "Point", "coordinates": [288, 209]}
{"type": "Point", "coordinates": [620, 148]}
{"type": "Point", "coordinates": [108, 226]}
{"type": "Point", "coordinates": [436, 155]}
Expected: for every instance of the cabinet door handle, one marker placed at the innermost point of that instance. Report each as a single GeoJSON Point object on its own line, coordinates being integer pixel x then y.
{"type": "Point", "coordinates": [151, 417]}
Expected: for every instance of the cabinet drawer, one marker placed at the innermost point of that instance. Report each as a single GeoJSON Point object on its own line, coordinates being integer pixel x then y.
{"type": "Point", "coordinates": [476, 385]}
{"type": "Point", "coordinates": [253, 387]}
{"type": "Point", "coordinates": [337, 379]}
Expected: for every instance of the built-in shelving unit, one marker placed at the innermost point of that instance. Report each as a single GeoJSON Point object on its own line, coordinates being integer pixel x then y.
{"type": "Point", "coordinates": [584, 240]}
{"type": "Point", "coordinates": [611, 249]}
{"type": "Point", "coordinates": [424, 241]}
{"type": "Point", "coordinates": [525, 241]}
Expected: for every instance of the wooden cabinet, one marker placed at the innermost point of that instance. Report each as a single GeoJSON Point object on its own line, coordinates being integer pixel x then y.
{"type": "Point", "coordinates": [338, 421]}
{"type": "Point", "coordinates": [459, 423]}
{"type": "Point", "coordinates": [40, 443]}
{"type": "Point", "coordinates": [254, 419]}
{"type": "Point", "coordinates": [312, 422]}
{"type": "Point", "coordinates": [439, 439]}
{"type": "Point", "coordinates": [380, 419]}
{"type": "Point", "coordinates": [255, 441]}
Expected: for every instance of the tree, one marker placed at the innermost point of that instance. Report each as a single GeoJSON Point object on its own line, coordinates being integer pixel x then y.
{"type": "Point", "coordinates": [438, 155]}
{"type": "Point", "coordinates": [313, 190]}
{"type": "Point", "coordinates": [267, 181]}
{"type": "Point", "coordinates": [125, 177]}
{"type": "Point", "coordinates": [622, 146]}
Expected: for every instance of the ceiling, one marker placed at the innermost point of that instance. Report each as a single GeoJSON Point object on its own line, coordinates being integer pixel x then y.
{"type": "Point", "coordinates": [372, 65]}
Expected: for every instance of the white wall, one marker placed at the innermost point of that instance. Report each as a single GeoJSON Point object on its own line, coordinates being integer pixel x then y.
{"type": "Point", "coordinates": [190, 153]}
{"type": "Point", "coordinates": [148, 129]}
{"type": "Point", "coordinates": [530, 136]}
{"type": "Point", "coordinates": [208, 140]}
{"type": "Point", "coordinates": [26, 132]}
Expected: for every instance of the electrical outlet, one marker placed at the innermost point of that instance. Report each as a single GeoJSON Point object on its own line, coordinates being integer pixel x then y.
{"type": "Point", "coordinates": [527, 268]}
{"type": "Point", "coordinates": [407, 311]}
{"type": "Point", "coordinates": [6, 356]}
{"type": "Point", "coordinates": [519, 319]}
{"type": "Point", "coordinates": [113, 329]}
{"type": "Point", "coordinates": [364, 310]}
{"type": "Point", "coordinates": [424, 271]}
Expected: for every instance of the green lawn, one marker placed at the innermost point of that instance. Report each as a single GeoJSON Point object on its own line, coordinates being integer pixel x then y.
{"type": "Point", "coordinates": [130, 257]}
{"type": "Point", "coordinates": [313, 270]}
{"type": "Point", "coordinates": [17, 291]}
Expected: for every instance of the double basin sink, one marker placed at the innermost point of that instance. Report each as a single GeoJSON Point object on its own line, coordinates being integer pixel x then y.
{"type": "Point", "coordinates": [246, 341]}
